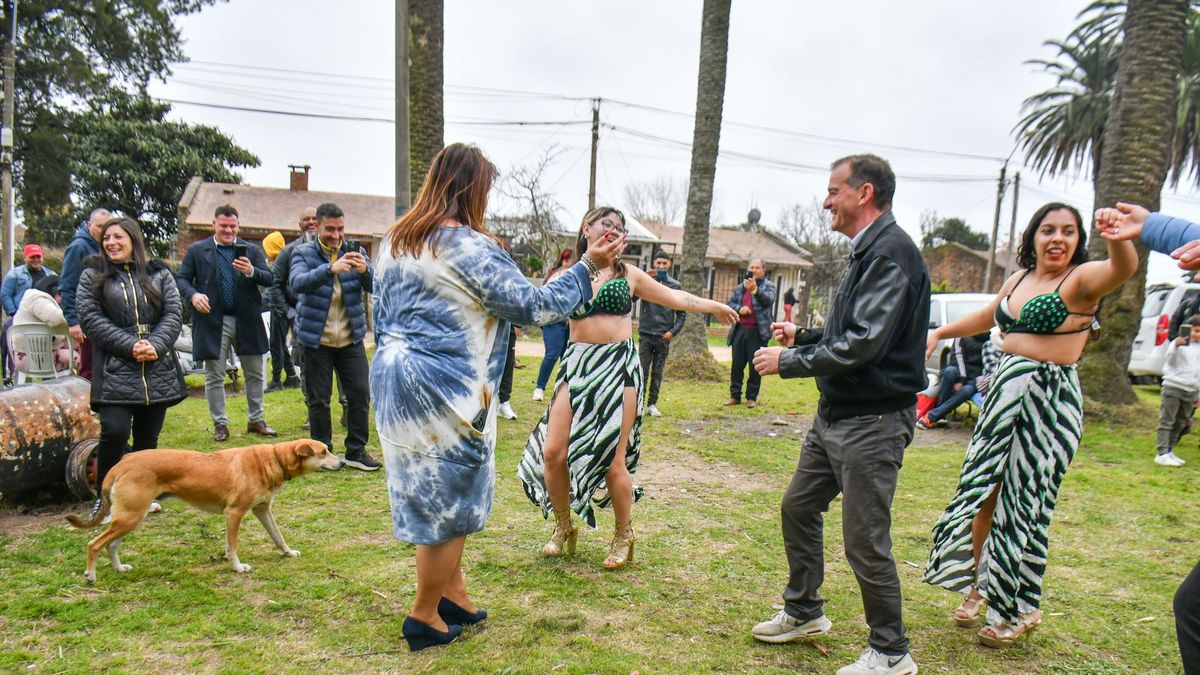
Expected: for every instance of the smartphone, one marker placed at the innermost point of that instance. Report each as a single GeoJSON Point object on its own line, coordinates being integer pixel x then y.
{"type": "Point", "coordinates": [660, 276]}
{"type": "Point", "coordinates": [239, 251]}
{"type": "Point", "coordinates": [351, 245]}
{"type": "Point", "coordinates": [1185, 332]}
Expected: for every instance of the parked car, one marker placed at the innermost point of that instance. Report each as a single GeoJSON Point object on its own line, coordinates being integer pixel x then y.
{"type": "Point", "coordinates": [1166, 306]}
{"type": "Point", "coordinates": [943, 309]}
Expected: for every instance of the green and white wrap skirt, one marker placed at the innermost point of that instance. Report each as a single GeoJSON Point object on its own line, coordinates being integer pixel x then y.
{"type": "Point", "coordinates": [596, 376]}
{"type": "Point", "coordinates": [1027, 434]}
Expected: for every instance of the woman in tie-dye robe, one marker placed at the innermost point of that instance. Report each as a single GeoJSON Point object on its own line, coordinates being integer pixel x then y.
{"type": "Point", "coordinates": [445, 293]}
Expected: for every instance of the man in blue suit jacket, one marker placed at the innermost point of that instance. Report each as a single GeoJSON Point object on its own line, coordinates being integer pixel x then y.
{"type": "Point", "coordinates": [754, 301]}
{"type": "Point", "coordinates": [220, 279]}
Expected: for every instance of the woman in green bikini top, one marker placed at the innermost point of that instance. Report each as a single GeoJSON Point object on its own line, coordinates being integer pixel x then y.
{"type": "Point", "coordinates": [1028, 429]}
{"type": "Point", "coordinates": [587, 444]}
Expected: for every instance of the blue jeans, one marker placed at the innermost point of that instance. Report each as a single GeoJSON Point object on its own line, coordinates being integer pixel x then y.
{"type": "Point", "coordinates": [554, 338]}
{"type": "Point", "coordinates": [949, 399]}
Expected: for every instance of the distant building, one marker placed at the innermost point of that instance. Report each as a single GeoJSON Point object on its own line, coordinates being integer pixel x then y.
{"type": "Point", "coordinates": [263, 210]}
{"type": "Point", "coordinates": [729, 254]}
{"type": "Point", "coordinates": [964, 268]}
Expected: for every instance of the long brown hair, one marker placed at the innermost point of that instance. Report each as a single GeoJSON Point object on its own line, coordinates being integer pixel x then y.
{"type": "Point", "coordinates": [108, 268]}
{"type": "Point", "coordinates": [456, 188]}
{"type": "Point", "coordinates": [591, 217]}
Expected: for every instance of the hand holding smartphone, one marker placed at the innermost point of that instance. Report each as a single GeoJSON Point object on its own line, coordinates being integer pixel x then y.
{"type": "Point", "coordinates": [239, 251]}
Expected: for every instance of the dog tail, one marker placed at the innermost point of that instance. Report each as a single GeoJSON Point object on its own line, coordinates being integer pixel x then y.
{"type": "Point", "coordinates": [97, 516]}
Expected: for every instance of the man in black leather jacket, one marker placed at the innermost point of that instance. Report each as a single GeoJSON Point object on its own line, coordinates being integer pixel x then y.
{"type": "Point", "coordinates": [868, 361]}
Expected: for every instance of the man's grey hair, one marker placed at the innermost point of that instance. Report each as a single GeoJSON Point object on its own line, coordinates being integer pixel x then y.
{"type": "Point", "coordinates": [99, 215]}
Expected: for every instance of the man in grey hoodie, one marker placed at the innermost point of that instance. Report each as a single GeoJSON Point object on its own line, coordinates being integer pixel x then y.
{"type": "Point", "coordinates": [656, 326]}
{"type": "Point", "coordinates": [85, 243]}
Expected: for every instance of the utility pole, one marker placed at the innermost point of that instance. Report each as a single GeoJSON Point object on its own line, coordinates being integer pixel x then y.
{"type": "Point", "coordinates": [1012, 227]}
{"type": "Point", "coordinates": [595, 144]}
{"type": "Point", "coordinates": [6, 137]}
{"type": "Point", "coordinates": [403, 166]}
{"type": "Point", "coordinates": [987, 276]}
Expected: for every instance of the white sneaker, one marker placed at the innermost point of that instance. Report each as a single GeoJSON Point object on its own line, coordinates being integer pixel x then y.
{"type": "Point", "coordinates": [783, 627]}
{"type": "Point", "coordinates": [653, 411]}
{"type": "Point", "coordinates": [873, 663]}
{"type": "Point", "coordinates": [507, 412]}
{"type": "Point", "coordinates": [539, 394]}
{"type": "Point", "coordinates": [1179, 461]}
{"type": "Point", "coordinates": [1166, 459]}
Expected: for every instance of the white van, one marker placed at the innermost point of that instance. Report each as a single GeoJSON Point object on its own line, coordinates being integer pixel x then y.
{"type": "Point", "coordinates": [943, 309]}
{"type": "Point", "coordinates": [1162, 312]}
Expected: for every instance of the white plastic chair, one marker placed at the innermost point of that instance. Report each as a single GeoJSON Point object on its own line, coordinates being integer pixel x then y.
{"type": "Point", "coordinates": [36, 341]}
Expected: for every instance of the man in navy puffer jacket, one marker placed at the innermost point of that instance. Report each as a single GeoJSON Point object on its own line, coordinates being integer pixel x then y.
{"type": "Point", "coordinates": [329, 279]}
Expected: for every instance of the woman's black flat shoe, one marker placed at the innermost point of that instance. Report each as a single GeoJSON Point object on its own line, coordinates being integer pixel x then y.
{"type": "Point", "coordinates": [421, 635]}
{"type": "Point", "coordinates": [451, 613]}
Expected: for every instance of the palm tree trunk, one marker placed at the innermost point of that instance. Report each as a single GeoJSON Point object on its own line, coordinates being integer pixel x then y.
{"type": "Point", "coordinates": [690, 351]}
{"type": "Point", "coordinates": [1133, 167]}
{"type": "Point", "coordinates": [427, 134]}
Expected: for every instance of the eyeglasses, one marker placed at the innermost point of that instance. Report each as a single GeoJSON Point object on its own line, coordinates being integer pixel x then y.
{"type": "Point", "coordinates": [611, 226]}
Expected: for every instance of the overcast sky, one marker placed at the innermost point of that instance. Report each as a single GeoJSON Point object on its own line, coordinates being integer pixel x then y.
{"type": "Point", "coordinates": [934, 86]}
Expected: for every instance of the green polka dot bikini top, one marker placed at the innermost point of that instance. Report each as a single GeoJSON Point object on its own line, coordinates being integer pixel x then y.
{"type": "Point", "coordinates": [613, 297]}
{"type": "Point", "coordinates": [1042, 314]}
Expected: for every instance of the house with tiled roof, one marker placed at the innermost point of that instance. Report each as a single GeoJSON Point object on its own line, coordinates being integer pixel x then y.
{"type": "Point", "coordinates": [263, 210]}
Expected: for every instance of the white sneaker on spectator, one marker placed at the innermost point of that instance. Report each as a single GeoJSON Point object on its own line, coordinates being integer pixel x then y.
{"type": "Point", "coordinates": [783, 627]}
{"type": "Point", "coordinates": [653, 411]}
{"type": "Point", "coordinates": [507, 412]}
{"type": "Point", "coordinates": [872, 662]}
{"type": "Point", "coordinates": [1167, 459]}
{"type": "Point", "coordinates": [539, 394]}
{"type": "Point", "coordinates": [1179, 461]}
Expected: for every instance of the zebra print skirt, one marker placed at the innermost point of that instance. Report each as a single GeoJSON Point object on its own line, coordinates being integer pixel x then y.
{"type": "Point", "coordinates": [1027, 434]}
{"type": "Point", "coordinates": [595, 377]}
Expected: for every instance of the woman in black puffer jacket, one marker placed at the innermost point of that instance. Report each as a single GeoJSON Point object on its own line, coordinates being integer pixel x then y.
{"type": "Point", "coordinates": [129, 309]}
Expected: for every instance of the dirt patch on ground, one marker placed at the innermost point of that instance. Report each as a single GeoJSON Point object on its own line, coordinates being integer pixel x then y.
{"type": "Point", "coordinates": [17, 522]}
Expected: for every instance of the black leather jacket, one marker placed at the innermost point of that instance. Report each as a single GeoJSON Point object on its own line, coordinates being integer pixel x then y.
{"type": "Point", "coordinates": [870, 356]}
{"type": "Point", "coordinates": [111, 319]}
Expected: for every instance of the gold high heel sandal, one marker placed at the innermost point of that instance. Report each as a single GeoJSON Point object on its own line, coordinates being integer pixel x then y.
{"type": "Point", "coordinates": [620, 553]}
{"type": "Point", "coordinates": [968, 612]}
{"type": "Point", "coordinates": [1005, 634]}
{"type": "Point", "coordinates": [564, 535]}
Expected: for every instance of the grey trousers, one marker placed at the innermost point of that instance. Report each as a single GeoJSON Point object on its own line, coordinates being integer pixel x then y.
{"type": "Point", "coordinates": [1174, 417]}
{"type": "Point", "coordinates": [860, 458]}
{"type": "Point", "coordinates": [253, 367]}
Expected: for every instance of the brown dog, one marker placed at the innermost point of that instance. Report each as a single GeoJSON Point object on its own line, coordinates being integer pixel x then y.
{"type": "Point", "coordinates": [231, 481]}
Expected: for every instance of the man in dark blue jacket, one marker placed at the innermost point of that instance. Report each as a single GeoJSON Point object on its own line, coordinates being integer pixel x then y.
{"type": "Point", "coordinates": [85, 243]}
{"type": "Point", "coordinates": [754, 301]}
{"type": "Point", "coordinates": [219, 278]}
{"type": "Point", "coordinates": [329, 277]}
{"type": "Point", "coordinates": [656, 327]}
{"type": "Point", "coordinates": [868, 361]}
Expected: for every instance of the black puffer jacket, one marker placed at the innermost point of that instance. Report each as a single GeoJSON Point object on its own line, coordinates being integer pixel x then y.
{"type": "Point", "coordinates": [109, 320]}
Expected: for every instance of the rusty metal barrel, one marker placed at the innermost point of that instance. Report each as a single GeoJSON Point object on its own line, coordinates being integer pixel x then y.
{"type": "Point", "coordinates": [41, 424]}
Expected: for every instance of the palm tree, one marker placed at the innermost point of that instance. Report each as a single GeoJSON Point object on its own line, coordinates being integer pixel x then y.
{"type": "Point", "coordinates": [1133, 167]}
{"type": "Point", "coordinates": [426, 26]}
{"type": "Point", "coordinates": [691, 351]}
{"type": "Point", "coordinates": [1064, 126]}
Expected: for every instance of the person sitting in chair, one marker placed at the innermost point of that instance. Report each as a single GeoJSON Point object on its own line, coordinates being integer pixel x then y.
{"type": "Point", "coordinates": [39, 306]}
{"type": "Point", "coordinates": [958, 379]}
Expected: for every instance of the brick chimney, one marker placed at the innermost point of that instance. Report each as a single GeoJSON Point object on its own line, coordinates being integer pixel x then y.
{"type": "Point", "coordinates": [299, 177]}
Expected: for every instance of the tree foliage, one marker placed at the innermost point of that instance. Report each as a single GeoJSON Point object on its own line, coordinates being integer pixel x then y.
{"type": "Point", "coordinates": [68, 53]}
{"type": "Point", "coordinates": [137, 162]}
{"type": "Point", "coordinates": [936, 231]}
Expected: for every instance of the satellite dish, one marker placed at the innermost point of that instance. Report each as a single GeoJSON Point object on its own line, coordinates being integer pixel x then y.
{"type": "Point", "coordinates": [754, 216]}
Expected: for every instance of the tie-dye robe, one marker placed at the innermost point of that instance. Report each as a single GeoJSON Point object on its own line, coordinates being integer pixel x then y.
{"type": "Point", "coordinates": [441, 330]}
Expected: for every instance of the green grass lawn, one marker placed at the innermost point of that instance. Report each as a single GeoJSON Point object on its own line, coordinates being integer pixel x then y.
{"type": "Point", "coordinates": [709, 564]}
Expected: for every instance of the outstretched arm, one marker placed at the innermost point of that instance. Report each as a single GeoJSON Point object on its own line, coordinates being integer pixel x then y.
{"type": "Point", "coordinates": [647, 288]}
